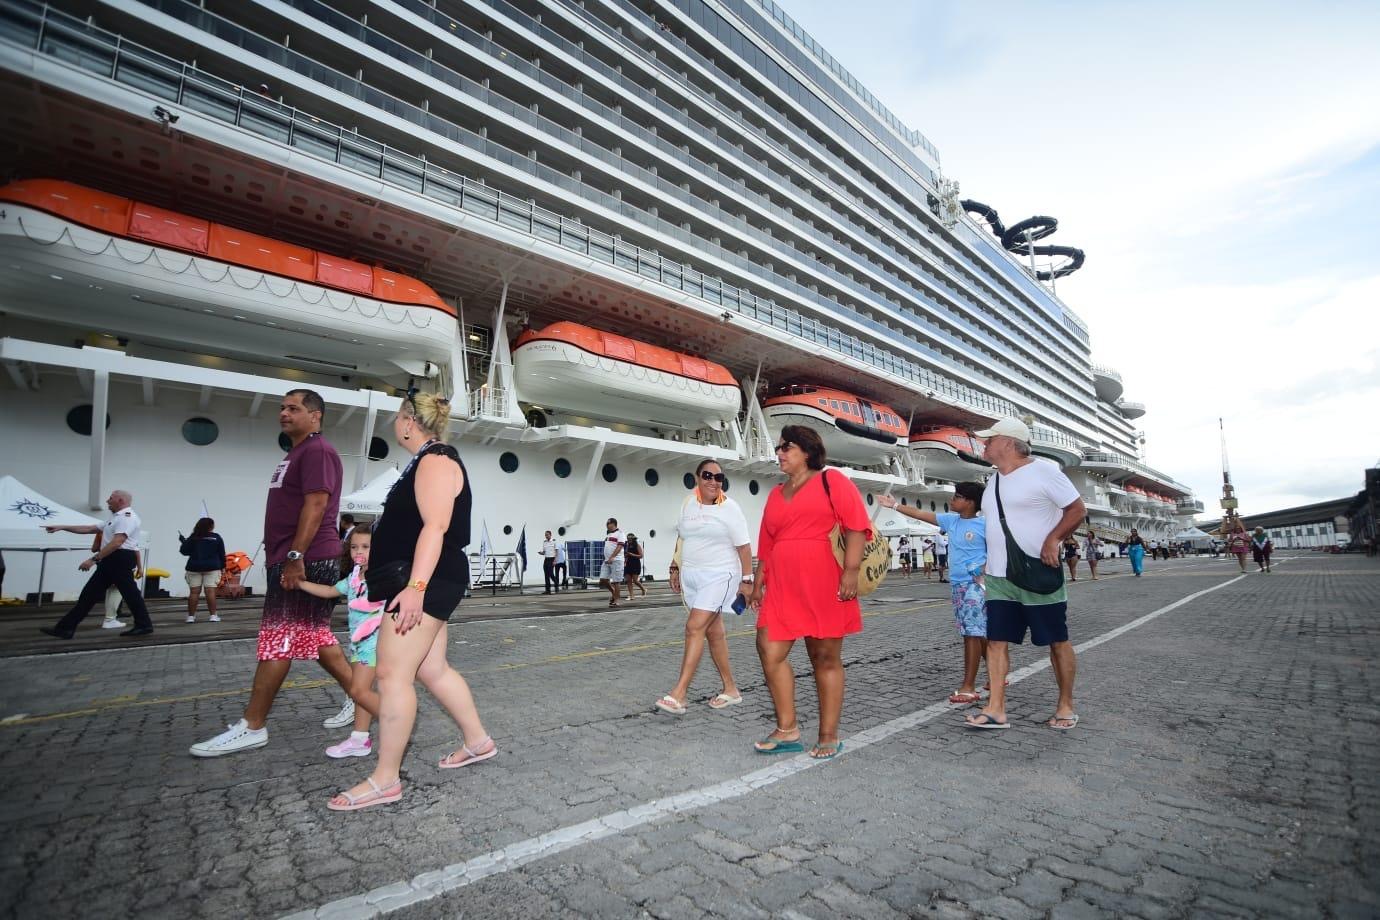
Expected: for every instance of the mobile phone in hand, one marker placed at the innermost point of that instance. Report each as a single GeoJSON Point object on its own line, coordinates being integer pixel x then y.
{"type": "Point", "coordinates": [739, 604]}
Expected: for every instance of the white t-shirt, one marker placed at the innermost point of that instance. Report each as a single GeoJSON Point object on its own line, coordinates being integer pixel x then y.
{"type": "Point", "coordinates": [560, 554]}
{"type": "Point", "coordinates": [941, 545]}
{"type": "Point", "coordinates": [612, 541]}
{"type": "Point", "coordinates": [126, 522]}
{"type": "Point", "coordinates": [1034, 497]}
{"type": "Point", "coordinates": [548, 549]}
{"type": "Point", "coordinates": [711, 534]}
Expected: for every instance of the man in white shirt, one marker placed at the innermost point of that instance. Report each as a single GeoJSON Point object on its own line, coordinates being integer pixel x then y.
{"type": "Point", "coordinates": [611, 572]}
{"type": "Point", "coordinates": [1041, 507]}
{"type": "Point", "coordinates": [561, 566]}
{"type": "Point", "coordinates": [941, 555]}
{"type": "Point", "coordinates": [548, 563]}
{"type": "Point", "coordinates": [122, 539]}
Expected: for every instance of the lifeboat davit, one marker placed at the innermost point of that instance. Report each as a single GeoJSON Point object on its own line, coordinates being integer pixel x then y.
{"type": "Point", "coordinates": [597, 374]}
{"type": "Point", "coordinates": [949, 452]}
{"type": "Point", "coordinates": [854, 429]}
{"type": "Point", "coordinates": [82, 257]}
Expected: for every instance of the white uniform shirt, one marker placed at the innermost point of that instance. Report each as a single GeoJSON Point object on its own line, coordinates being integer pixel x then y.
{"type": "Point", "coordinates": [1034, 497]}
{"type": "Point", "coordinates": [548, 549]}
{"type": "Point", "coordinates": [941, 545]}
{"type": "Point", "coordinates": [711, 534]}
{"type": "Point", "coordinates": [126, 522]}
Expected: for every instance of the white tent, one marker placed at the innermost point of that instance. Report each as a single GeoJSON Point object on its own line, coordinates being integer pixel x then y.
{"type": "Point", "coordinates": [1192, 535]}
{"type": "Point", "coordinates": [24, 512]}
{"type": "Point", "coordinates": [369, 500]}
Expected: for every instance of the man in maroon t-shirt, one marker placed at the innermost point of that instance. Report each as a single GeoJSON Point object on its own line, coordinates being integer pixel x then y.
{"type": "Point", "coordinates": [300, 544]}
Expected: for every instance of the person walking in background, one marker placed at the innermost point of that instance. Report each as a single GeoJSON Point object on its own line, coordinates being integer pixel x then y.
{"type": "Point", "coordinates": [1238, 544]}
{"type": "Point", "coordinates": [801, 591]}
{"type": "Point", "coordinates": [611, 571]}
{"type": "Point", "coordinates": [632, 569]}
{"type": "Point", "coordinates": [122, 539]}
{"type": "Point", "coordinates": [205, 552]}
{"type": "Point", "coordinates": [418, 565]}
{"type": "Point", "coordinates": [347, 526]}
{"type": "Point", "coordinates": [903, 552]}
{"type": "Point", "coordinates": [1092, 551]}
{"type": "Point", "coordinates": [1039, 507]}
{"type": "Point", "coordinates": [1135, 550]}
{"type": "Point", "coordinates": [1261, 547]}
{"type": "Point", "coordinates": [301, 543]}
{"type": "Point", "coordinates": [927, 557]}
{"type": "Point", "coordinates": [941, 554]}
{"type": "Point", "coordinates": [710, 569]}
{"type": "Point", "coordinates": [968, 543]}
{"type": "Point", "coordinates": [1071, 556]}
{"type": "Point", "coordinates": [548, 564]}
{"type": "Point", "coordinates": [562, 566]}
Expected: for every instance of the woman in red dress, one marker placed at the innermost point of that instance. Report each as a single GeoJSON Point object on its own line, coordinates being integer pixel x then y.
{"type": "Point", "coordinates": [801, 593]}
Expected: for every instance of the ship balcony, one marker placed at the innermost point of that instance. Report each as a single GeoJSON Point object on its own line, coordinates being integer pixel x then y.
{"type": "Point", "coordinates": [1189, 506]}
{"type": "Point", "coordinates": [1056, 446]}
{"type": "Point", "coordinates": [1131, 409]}
{"type": "Point", "coordinates": [1107, 383]}
{"type": "Point", "coordinates": [1107, 462]}
{"type": "Point", "coordinates": [1097, 503]}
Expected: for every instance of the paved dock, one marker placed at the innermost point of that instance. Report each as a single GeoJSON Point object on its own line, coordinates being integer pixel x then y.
{"type": "Point", "coordinates": [1225, 766]}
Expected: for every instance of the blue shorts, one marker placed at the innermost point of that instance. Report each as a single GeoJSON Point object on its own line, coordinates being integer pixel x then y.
{"type": "Point", "coordinates": [970, 608]}
{"type": "Point", "coordinates": [1012, 610]}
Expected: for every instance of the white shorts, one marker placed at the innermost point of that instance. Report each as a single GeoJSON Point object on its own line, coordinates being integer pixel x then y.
{"type": "Point", "coordinates": [203, 579]}
{"type": "Point", "coordinates": [710, 590]}
{"type": "Point", "coordinates": [612, 571]}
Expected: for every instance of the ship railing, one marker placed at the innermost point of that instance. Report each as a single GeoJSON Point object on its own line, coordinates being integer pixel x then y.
{"type": "Point", "coordinates": [489, 402]}
{"type": "Point", "coordinates": [91, 48]}
{"type": "Point", "coordinates": [1103, 370]}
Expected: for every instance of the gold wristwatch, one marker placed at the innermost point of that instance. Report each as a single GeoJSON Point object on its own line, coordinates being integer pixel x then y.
{"type": "Point", "coordinates": [417, 585]}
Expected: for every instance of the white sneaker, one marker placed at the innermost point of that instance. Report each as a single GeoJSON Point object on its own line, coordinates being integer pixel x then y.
{"type": "Point", "coordinates": [190, 618]}
{"type": "Point", "coordinates": [215, 618]}
{"type": "Point", "coordinates": [112, 624]}
{"type": "Point", "coordinates": [238, 737]}
{"type": "Point", "coordinates": [344, 717]}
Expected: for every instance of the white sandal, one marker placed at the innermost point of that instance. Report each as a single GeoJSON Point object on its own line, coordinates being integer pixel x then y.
{"type": "Point", "coordinates": [672, 705]}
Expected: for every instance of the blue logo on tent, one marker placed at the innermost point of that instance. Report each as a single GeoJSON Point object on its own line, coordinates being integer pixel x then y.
{"type": "Point", "coordinates": [30, 508]}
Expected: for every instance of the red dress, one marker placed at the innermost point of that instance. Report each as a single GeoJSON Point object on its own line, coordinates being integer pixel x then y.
{"type": "Point", "coordinates": [802, 577]}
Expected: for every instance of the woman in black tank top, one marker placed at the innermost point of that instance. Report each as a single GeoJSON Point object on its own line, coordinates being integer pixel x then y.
{"type": "Point", "coordinates": [424, 530]}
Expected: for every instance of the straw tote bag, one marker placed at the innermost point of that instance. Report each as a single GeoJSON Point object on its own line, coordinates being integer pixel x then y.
{"type": "Point", "coordinates": [876, 559]}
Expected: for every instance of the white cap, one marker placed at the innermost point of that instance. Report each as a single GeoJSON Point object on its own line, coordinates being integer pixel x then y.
{"type": "Point", "coordinates": [1007, 427]}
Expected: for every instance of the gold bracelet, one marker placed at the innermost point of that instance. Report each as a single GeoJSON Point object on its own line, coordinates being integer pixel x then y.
{"type": "Point", "coordinates": [417, 585]}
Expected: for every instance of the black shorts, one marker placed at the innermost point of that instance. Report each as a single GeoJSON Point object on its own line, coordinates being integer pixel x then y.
{"type": "Point", "coordinates": [441, 599]}
{"type": "Point", "coordinates": [1012, 610]}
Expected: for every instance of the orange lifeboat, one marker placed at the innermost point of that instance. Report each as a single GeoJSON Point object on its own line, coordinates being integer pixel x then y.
{"type": "Point", "coordinates": [855, 430]}
{"type": "Point", "coordinates": [949, 452]}
{"type": "Point", "coordinates": [86, 258]}
{"type": "Point", "coordinates": [592, 373]}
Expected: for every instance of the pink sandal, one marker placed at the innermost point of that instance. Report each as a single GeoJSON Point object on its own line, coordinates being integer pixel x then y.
{"type": "Point", "coordinates": [379, 796]}
{"type": "Point", "coordinates": [964, 697]}
{"type": "Point", "coordinates": [471, 756]}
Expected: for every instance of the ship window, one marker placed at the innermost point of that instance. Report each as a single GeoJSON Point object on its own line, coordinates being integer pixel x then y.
{"type": "Point", "coordinates": [903, 499]}
{"type": "Point", "coordinates": [651, 533]}
{"type": "Point", "coordinates": [507, 529]}
{"type": "Point", "coordinates": [652, 477]}
{"type": "Point", "coordinates": [728, 484]}
{"type": "Point", "coordinates": [508, 462]}
{"type": "Point", "coordinates": [689, 480]}
{"type": "Point", "coordinates": [824, 403]}
{"type": "Point", "coordinates": [378, 449]}
{"type": "Point", "coordinates": [609, 472]}
{"type": "Point", "coordinates": [79, 420]}
{"type": "Point", "coordinates": [833, 404]}
{"type": "Point", "coordinates": [753, 487]}
{"type": "Point", "coordinates": [200, 431]}
{"type": "Point", "coordinates": [560, 531]}
{"type": "Point", "coordinates": [561, 467]}
{"type": "Point", "coordinates": [284, 442]}
{"type": "Point", "coordinates": [870, 499]}
{"type": "Point", "coordinates": [932, 508]}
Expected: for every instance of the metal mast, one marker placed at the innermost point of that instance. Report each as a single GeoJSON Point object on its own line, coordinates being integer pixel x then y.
{"type": "Point", "coordinates": [1231, 521]}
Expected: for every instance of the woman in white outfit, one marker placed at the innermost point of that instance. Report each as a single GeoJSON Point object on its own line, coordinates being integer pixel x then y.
{"type": "Point", "coordinates": [711, 568]}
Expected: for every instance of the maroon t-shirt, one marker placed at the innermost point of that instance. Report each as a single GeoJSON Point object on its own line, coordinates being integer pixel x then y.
{"type": "Point", "coordinates": [312, 466]}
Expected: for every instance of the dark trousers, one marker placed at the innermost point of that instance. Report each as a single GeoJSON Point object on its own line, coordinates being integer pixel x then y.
{"type": "Point", "coordinates": [117, 569]}
{"type": "Point", "coordinates": [548, 571]}
{"type": "Point", "coordinates": [560, 576]}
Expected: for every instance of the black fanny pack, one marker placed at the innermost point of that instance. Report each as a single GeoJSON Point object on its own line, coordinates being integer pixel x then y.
{"type": "Point", "coordinates": [1022, 569]}
{"type": "Point", "coordinates": [388, 580]}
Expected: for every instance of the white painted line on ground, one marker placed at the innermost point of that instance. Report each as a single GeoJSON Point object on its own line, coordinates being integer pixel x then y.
{"type": "Point", "coordinates": [435, 883]}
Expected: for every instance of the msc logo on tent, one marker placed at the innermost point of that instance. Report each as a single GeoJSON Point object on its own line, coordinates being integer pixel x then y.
{"type": "Point", "coordinates": [27, 507]}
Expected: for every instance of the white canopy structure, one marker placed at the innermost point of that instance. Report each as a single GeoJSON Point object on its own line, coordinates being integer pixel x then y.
{"type": "Point", "coordinates": [369, 500]}
{"type": "Point", "coordinates": [24, 512]}
{"type": "Point", "coordinates": [1192, 535]}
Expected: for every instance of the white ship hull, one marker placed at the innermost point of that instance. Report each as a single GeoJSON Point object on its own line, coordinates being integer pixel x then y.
{"type": "Point", "coordinates": [558, 375]}
{"type": "Point", "coordinates": [62, 272]}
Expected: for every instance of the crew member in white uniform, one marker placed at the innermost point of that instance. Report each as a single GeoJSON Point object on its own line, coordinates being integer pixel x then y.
{"type": "Point", "coordinates": [122, 539]}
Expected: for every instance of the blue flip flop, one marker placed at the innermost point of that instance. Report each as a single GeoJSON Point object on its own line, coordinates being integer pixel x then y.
{"type": "Point", "coordinates": [991, 724]}
{"type": "Point", "coordinates": [770, 745]}
{"type": "Point", "coordinates": [837, 750]}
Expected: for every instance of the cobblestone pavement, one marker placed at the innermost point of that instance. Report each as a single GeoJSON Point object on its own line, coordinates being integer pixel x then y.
{"type": "Point", "coordinates": [1225, 766]}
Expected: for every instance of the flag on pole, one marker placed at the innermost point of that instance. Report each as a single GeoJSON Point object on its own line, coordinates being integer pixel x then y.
{"type": "Point", "coordinates": [522, 547]}
{"type": "Point", "coordinates": [205, 512]}
{"type": "Point", "coordinates": [484, 548]}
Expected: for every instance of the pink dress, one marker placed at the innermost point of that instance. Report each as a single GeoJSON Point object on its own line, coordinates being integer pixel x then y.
{"type": "Point", "coordinates": [802, 576]}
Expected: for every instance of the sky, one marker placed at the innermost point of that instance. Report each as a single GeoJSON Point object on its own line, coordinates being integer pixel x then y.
{"type": "Point", "coordinates": [1220, 165]}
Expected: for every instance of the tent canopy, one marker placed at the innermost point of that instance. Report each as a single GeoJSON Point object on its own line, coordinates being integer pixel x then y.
{"type": "Point", "coordinates": [24, 512]}
{"type": "Point", "coordinates": [369, 500]}
{"type": "Point", "coordinates": [1193, 535]}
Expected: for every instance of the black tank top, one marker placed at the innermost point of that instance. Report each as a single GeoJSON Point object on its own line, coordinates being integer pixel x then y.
{"type": "Point", "coordinates": [397, 530]}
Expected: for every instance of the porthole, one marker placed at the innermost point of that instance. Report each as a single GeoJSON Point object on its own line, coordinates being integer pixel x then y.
{"type": "Point", "coordinates": [689, 480]}
{"type": "Point", "coordinates": [869, 498]}
{"type": "Point", "coordinates": [651, 534]}
{"type": "Point", "coordinates": [652, 477]}
{"type": "Point", "coordinates": [609, 472]}
{"type": "Point", "coordinates": [378, 449]}
{"type": "Point", "coordinates": [79, 420]}
{"type": "Point", "coordinates": [946, 507]}
{"type": "Point", "coordinates": [903, 499]}
{"type": "Point", "coordinates": [508, 462]}
{"type": "Point", "coordinates": [200, 431]}
{"type": "Point", "coordinates": [284, 442]}
{"type": "Point", "coordinates": [728, 483]}
{"type": "Point", "coordinates": [560, 531]}
{"type": "Point", "coordinates": [932, 508]}
{"type": "Point", "coordinates": [753, 487]}
{"type": "Point", "coordinates": [507, 529]}
{"type": "Point", "coordinates": [561, 467]}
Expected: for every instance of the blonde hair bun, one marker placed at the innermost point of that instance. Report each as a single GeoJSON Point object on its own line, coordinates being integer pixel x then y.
{"type": "Point", "coordinates": [432, 413]}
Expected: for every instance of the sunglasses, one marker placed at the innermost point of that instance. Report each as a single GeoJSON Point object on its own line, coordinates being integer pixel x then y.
{"type": "Point", "coordinates": [720, 478]}
{"type": "Point", "coordinates": [784, 446]}
{"type": "Point", "coordinates": [411, 397]}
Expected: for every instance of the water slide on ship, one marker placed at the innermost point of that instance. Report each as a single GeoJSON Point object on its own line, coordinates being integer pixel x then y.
{"type": "Point", "coordinates": [1020, 238]}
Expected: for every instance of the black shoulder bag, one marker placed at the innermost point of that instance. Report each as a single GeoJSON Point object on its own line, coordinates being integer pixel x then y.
{"type": "Point", "coordinates": [1022, 569]}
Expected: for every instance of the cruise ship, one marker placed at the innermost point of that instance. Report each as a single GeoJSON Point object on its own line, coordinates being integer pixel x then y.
{"type": "Point", "coordinates": [624, 234]}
